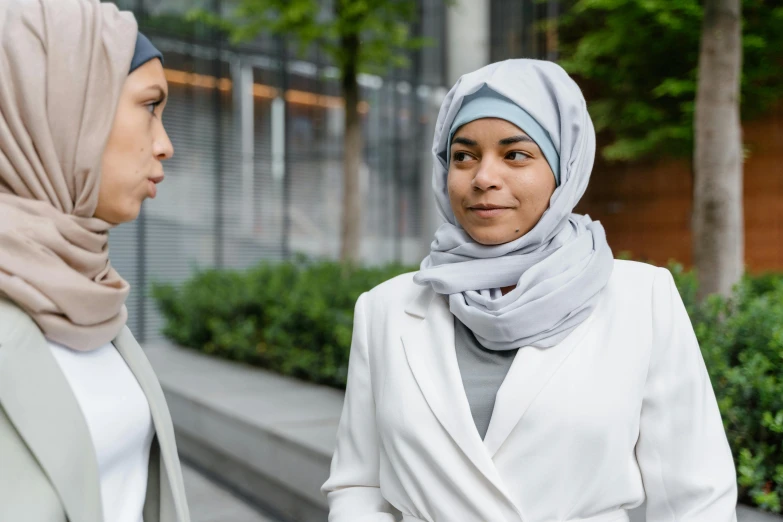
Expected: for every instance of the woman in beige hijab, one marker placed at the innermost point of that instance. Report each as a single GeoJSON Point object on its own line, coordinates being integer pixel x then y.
{"type": "Point", "coordinates": [85, 434]}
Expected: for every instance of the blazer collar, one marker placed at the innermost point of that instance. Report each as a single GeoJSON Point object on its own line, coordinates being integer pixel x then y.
{"type": "Point", "coordinates": [172, 491]}
{"type": "Point", "coordinates": [40, 403]}
{"type": "Point", "coordinates": [429, 348]}
{"type": "Point", "coordinates": [419, 305]}
{"type": "Point", "coordinates": [529, 374]}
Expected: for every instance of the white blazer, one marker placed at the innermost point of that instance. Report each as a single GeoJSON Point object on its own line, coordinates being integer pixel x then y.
{"type": "Point", "coordinates": [620, 411]}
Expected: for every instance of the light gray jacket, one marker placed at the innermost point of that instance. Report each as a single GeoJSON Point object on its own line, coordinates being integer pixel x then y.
{"type": "Point", "coordinates": [48, 467]}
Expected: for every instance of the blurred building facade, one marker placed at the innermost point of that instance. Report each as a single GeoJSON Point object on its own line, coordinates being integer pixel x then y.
{"type": "Point", "coordinates": [257, 172]}
{"type": "Point", "coordinates": [257, 130]}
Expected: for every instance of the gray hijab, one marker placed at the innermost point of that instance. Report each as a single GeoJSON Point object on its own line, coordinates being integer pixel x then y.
{"type": "Point", "coordinates": [562, 264]}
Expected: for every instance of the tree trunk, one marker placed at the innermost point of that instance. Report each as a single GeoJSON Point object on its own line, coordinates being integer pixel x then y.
{"type": "Point", "coordinates": [718, 229]}
{"type": "Point", "coordinates": [351, 218]}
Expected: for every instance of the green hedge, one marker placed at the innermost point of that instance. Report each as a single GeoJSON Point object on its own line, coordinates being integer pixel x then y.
{"type": "Point", "coordinates": [296, 318]}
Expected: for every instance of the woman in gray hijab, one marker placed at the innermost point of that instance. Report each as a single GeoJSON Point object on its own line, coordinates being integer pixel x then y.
{"type": "Point", "coordinates": [523, 374]}
{"type": "Point", "coordinates": [85, 433]}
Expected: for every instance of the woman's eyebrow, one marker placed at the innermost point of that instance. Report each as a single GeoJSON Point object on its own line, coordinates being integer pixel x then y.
{"type": "Point", "coordinates": [464, 141]}
{"type": "Point", "coordinates": [515, 139]}
{"type": "Point", "coordinates": [158, 89]}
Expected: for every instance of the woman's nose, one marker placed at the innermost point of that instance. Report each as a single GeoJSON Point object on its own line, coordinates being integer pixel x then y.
{"type": "Point", "coordinates": [487, 177]}
{"type": "Point", "coordinates": [163, 147]}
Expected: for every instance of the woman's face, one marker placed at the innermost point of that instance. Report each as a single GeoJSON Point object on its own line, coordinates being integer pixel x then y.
{"type": "Point", "coordinates": [499, 182]}
{"type": "Point", "coordinates": [138, 144]}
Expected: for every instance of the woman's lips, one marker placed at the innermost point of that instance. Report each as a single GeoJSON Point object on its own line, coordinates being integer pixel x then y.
{"type": "Point", "coordinates": [152, 186]}
{"type": "Point", "coordinates": [152, 189]}
{"type": "Point", "coordinates": [488, 212]}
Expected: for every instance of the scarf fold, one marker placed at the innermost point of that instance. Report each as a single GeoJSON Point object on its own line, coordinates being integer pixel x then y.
{"type": "Point", "coordinates": [63, 64]}
{"type": "Point", "coordinates": [561, 265]}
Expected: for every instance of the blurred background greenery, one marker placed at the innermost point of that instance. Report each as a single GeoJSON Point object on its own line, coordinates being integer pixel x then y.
{"type": "Point", "coordinates": [638, 63]}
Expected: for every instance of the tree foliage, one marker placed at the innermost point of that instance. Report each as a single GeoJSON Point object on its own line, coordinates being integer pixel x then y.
{"type": "Point", "coordinates": [357, 36]}
{"type": "Point", "coordinates": [637, 60]}
{"type": "Point", "coordinates": [383, 27]}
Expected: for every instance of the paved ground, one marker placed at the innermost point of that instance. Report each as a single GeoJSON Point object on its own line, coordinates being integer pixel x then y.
{"type": "Point", "coordinates": [745, 514]}
{"type": "Point", "coordinates": [211, 503]}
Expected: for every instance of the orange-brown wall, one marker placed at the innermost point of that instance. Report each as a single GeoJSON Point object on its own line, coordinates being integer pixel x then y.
{"type": "Point", "coordinates": [646, 209]}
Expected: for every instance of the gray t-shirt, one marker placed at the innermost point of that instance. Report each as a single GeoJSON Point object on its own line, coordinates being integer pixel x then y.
{"type": "Point", "coordinates": [482, 371]}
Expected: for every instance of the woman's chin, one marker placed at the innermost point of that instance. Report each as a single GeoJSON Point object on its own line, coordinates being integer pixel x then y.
{"type": "Point", "coordinates": [131, 214]}
{"type": "Point", "coordinates": [492, 237]}
{"type": "Point", "coordinates": [119, 214]}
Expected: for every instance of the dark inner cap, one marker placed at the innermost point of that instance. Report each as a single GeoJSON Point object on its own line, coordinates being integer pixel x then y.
{"type": "Point", "coordinates": [144, 52]}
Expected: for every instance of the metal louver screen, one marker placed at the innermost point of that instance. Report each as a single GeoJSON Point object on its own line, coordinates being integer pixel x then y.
{"type": "Point", "coordinates": [196, 221]}
{"type": "Point", "coordinates": [226, 202]}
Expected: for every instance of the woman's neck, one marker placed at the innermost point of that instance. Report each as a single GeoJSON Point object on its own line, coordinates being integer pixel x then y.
{"type": "Point", "coordinates": [507, 289]}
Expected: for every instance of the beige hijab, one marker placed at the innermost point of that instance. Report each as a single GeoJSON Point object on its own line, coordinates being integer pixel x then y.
{"type": "Point", "coordinates": [62, 66]}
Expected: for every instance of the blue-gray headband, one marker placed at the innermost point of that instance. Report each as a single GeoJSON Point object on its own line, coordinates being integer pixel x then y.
{"type": "Point", "coordinates": [144, 52]}
{"type": "Point", "coordinates": [486, 103]}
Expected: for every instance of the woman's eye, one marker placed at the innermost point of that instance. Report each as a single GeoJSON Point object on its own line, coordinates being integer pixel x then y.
{"type": "Point", "coordinates": [517, 156]}
{"type": "Point", "coordinates": [152, 106]}
{"type": "Point", "coordinates": [460, 156]}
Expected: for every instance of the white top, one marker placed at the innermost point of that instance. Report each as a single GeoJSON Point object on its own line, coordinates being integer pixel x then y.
{"type": "Point", "coordinates": [620, 411]}
{"type": "Point", "coordinates": [119, 420]}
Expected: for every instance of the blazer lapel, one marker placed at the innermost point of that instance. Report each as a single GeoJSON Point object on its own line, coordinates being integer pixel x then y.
{"type": "Point", "coordinates": [531, 370]}
{"type": "Point", "coordinates": [38, 400]}
{"type": "Point", "coordinates": [429, 348]}
{"type": "Point", "coordinates": [173, 504]}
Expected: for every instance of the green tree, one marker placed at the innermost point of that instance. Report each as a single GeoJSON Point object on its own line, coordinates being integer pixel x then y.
{"type": "Point", "coordinates": [637, 61]}
{"type": "Point", "coordinates": [357, 36]}
{"type": "Point", "coordinates": [667, 78]}
{"type": "Point", "coordinates": [718, 231]}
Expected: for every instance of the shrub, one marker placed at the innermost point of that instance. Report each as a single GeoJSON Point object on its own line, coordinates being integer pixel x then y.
{"type": "Point", "coordinates": [296, 318]}
{"type": "Point", "coordinates": [742, 342]}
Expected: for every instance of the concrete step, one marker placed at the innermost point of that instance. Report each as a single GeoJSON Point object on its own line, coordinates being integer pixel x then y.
{"type": "Point", "coordinates": [269, 437]}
